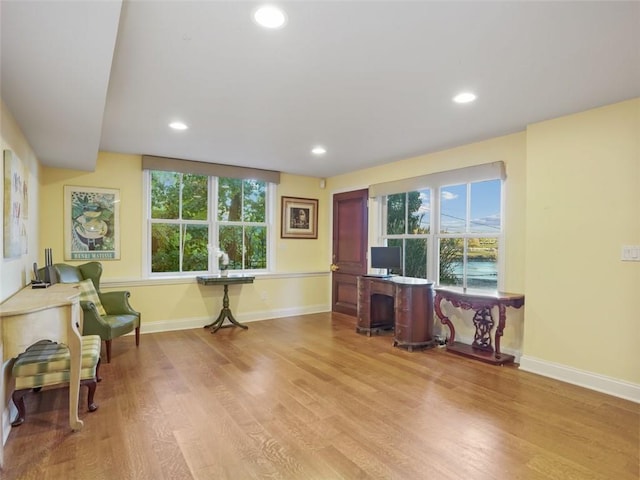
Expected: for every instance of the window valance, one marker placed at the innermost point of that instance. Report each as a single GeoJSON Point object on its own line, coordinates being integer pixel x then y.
{"type": "Point", "coordinates": [476, 173]}
{"type": "Point", "coordinates": [150, 162]}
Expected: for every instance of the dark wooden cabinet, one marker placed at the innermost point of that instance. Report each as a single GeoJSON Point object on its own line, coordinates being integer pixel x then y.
{"type": "Point", "coordinates": [402, 304]}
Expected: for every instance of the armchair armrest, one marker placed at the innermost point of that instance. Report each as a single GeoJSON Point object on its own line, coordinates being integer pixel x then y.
{"type": "Point", "coordinates": [92, 323]}
{"type": "Point", "coordinates": [117, 303]}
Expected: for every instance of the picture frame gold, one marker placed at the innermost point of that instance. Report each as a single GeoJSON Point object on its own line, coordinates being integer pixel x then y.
{"type": "Point", "coordinates": [299, 218]}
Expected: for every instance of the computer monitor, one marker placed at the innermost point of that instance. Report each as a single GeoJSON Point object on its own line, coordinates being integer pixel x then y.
{"type": "Point", "coordinates": [386, 257]}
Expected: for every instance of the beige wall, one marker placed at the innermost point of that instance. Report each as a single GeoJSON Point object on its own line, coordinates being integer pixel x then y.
{"type": "Point", "coordinates": [583, 205]}
{"type": "Point", "coordinates": [15, 273]}
{"type": "Point", "coordinates": [510, 149]}
{"type": "Point", "coordinates": [300, 283]}
{"type": "Point", "coordinates": [573, 199]}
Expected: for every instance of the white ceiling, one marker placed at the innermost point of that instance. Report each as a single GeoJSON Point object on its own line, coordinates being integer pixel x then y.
{"type": "Point", "coordinates": [372, 81]}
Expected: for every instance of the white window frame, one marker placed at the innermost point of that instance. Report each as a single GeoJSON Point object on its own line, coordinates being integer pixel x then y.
{"type": "Point", "coordinates": [213, 223]}
{"type": "Point", "coordinates": [436, 182]}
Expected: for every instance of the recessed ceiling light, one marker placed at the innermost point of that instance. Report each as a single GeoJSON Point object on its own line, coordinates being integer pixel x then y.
{"type": "Point", "coordinates": [178, 126]}
{"type": "Point", "coordinates": [319, 150]}
{"type": "Point", "coordinates": [269, 16]}
{"type": "Point", "coordinates": [464, 97]}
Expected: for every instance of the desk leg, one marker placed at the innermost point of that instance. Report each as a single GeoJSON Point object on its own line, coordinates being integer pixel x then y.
{"type": "Point", "coordinates": [224, 313]}
{"type": "Point", "coordinates": [75, 358]}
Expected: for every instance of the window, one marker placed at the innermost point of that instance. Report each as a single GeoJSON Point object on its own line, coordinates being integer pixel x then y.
{"type": "Point", "coordinates": [470, 234]}
{"type": "Point", "coordinates": [409, 227]}
{"type": "Point", "coordinates": [449, 232]}
{"type": "Point", "coordinates": [192, 217]}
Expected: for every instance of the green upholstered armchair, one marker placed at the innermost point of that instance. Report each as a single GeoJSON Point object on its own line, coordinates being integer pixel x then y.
{"type": "Point", "coordinates": [120, 318]}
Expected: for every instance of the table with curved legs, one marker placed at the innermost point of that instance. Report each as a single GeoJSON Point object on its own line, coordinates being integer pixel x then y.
{"type": "Point", "coordinates": [484, 347]}
{"type": "Point", "coordinates": [225, 313]}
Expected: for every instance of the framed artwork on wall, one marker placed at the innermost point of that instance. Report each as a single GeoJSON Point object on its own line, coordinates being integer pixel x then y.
{"type": "Point", "coordinates": [15, 214]}
{"type": "Point", "coordinates": [299, 218]}
{"type": "Point", "coordinates": [91, 223]}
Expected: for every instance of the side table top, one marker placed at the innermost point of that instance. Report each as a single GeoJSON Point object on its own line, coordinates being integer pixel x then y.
{"type": "Point", "coordinates": [224, 280]}
{"type": "Point", "coordinates": [492, 296]}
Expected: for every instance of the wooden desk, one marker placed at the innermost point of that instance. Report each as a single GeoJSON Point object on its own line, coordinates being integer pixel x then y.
{"type": "Point", "coordinates": [402, 304]}
{"type": "Point", "coordinates": [225, 313]}
{"type": "Point", "coordinates": [44, 314]}
{"type": "Point", "coordinates": [482, 302]}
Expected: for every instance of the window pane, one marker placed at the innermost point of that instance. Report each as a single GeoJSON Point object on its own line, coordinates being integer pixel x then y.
{"type": "Point", "coordinates": [231, 243]}
{"type": "Point", "coordinates": [451, 261]}
{"type": "Point", "coordinates": [229, 199]}
{"type": "Point", "coordinates": [194, 197]}
{"type": "Point", "coordinates": [396, 242]}
{"type": "Point", "coordinates": [165, 248]}
{"type": "Point", "coordinates": [396, 213]}
{"type": "Point", "coordinates": [254, 208]}
{"type": "Point", "coordinates": [196, 255]}
{"type": "Point", "coordinates": [255, 242]}
{"type": "Point", "coordinates": [415, 260]}
{"type": "Point", "coordinates": [482, 263]}
{"type": "Point", "coordinates": [165, 195]}
{"type": "Point", "coordinates": [420, 211]}
{"type": "Point", "coordinates": [453, 209]}
{"type": "Point", "coordinates": [485, 206]}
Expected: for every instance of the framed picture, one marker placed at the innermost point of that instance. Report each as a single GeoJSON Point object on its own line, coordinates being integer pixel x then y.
{"type": "Point", "coordinates": [91, 223]}
{"type": "Point", "coordinates": [299, 217]}
{"type": "Point", "coordinates": [15, 215]}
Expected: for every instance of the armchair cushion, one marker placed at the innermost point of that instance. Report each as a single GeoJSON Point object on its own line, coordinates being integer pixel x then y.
{"type": "Point", "coordinates": [88, 293]}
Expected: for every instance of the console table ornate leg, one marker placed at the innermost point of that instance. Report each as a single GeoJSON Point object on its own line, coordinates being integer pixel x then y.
{"type": "Point", "coordinates": [502, 319]}
{"type": "Point", "coordinates": [444, 319]}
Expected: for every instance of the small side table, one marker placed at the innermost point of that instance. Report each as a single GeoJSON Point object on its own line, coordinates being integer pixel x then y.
{"type": "Point", "coordinates": [225, 313]}
{"type": "Point", "coordinates": [481, 302]}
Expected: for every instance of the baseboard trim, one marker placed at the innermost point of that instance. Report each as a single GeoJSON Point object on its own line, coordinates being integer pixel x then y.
{"type": "Point", "coordinates": [199, 322]}
{"type": "Point", "coordinates": [593, 381]}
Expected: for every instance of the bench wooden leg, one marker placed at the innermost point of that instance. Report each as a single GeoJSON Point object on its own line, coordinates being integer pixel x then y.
{"type": "Point", "coordinates": [91, 385]}
{"type": "Point", "coordinates": [18, 400]}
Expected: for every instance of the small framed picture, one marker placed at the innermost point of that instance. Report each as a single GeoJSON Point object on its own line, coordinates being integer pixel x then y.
{"type": "Point", "coordinates": [299, 217]}
{"type": "Point", "coordinates": [91, 223]}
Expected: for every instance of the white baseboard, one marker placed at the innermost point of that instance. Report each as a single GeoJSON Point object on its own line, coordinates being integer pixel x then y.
{"type": "Point", "coordinates": [199, 322]}
{"type": "Point", "coordinates": [582, 378]}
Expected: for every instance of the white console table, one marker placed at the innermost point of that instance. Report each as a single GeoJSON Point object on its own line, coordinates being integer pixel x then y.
{"type": "Point", "coordinates": [43, 314]}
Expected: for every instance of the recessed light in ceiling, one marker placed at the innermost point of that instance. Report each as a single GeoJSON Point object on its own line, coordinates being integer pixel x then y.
{"type": "Point", "coordinates": [269, 16]}
{"type": "Point", "coordinates": [319, 150]}
{"type": "Point", "coordinates": [464, 97]}
{"type": "Point", "coordinates": [178, 126]}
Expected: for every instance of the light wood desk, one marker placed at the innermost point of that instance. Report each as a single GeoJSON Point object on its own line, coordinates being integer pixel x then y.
{"type": "Point", "coordinates": [43, 314]}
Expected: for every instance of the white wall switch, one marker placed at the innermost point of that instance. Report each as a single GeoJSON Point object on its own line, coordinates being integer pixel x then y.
{"type": "Point", "coordinates": [630, 253]}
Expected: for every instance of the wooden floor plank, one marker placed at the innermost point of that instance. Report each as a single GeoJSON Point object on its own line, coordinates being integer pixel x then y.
{"type": "Point", "coordinates": [305, 397]}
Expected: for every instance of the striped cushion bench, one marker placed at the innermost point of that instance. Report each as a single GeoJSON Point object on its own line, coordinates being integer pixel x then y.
{"type": "Point", "coordinates": [47, 363]}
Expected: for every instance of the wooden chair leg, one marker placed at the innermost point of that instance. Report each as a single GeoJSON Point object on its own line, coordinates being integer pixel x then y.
{"type": "Point", "coordinates": [98, 377]}
{"type": "Point", "coordinates": [18, 400]}
{"type": "Point", "coordinates": [137, 336]}
{"type": "Point", "coordinates": [108, 342]}
{"type": "Point", "coordinates": [91, 385]}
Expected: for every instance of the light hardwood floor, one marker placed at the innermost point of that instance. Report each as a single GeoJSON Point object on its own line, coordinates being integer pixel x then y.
{"type": "Point", "coordinates": [308, 398]}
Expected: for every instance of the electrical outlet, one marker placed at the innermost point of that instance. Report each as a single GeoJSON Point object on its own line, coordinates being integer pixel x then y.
{"type": "Point", "coordinates": [630, 253]}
